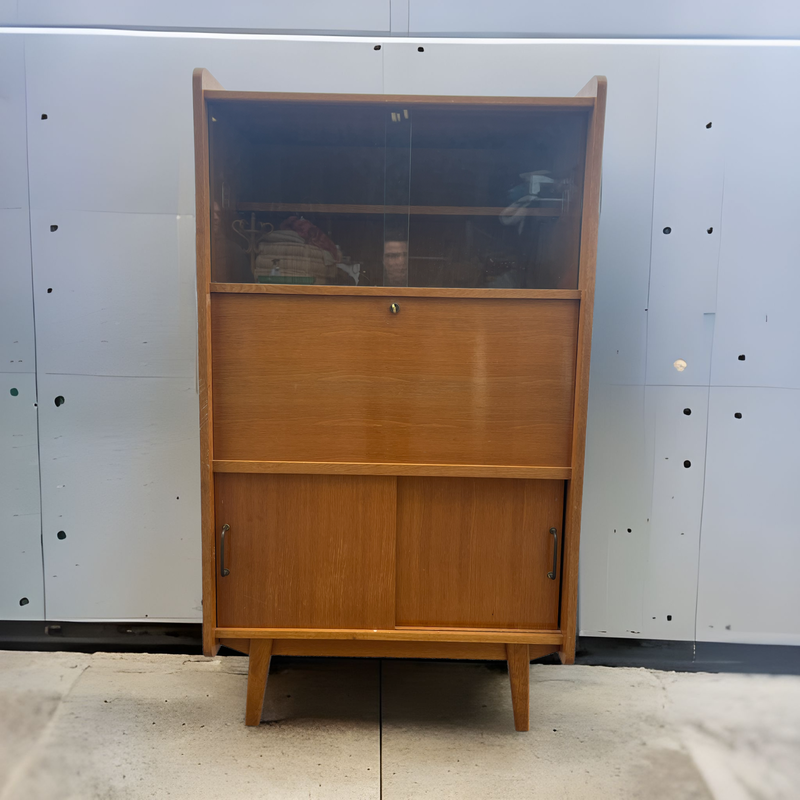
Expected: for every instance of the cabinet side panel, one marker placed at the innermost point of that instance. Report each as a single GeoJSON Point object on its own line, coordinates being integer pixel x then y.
{"type": "Point", "coordinates": [203, 248]}
{"type": "Point", "coordinates": [444, 381]}
{"type": "Point", "coordinates": [588, 260]}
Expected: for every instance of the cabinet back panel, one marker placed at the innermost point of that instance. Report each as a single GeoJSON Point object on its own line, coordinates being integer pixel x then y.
{"type": "Point", "coordinates": [475, 552]}
{"type": "Point", "coordinates": [444, 381]}
{"type": "Point", "coordinates": [315, 551]}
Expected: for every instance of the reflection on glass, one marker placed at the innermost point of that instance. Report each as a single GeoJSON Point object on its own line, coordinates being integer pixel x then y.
{"type": "Point", "coordinates": [496, 196]}
{"type": "Point", "coordinates": [395, 260]}
{"type": "Point", "coordinates": [360, 194]}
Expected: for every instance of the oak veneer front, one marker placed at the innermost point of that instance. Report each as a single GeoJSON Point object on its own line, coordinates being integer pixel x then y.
{"type": "Point", "coordinates": [475, 552]}
{"type": "Point", "coordinates": [478, 651]}
{"type": "Point", "coordinates": [444, 381]}
{"type": "Point", "coordinates": [306, 551]}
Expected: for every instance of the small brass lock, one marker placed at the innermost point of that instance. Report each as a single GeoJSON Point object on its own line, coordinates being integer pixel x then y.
{"type": "Point", "coordinates": [394, 308]}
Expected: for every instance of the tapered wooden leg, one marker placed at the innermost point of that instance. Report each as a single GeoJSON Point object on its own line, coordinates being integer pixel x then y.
{"type": "Point", "coordinates": [260, 654]}
{"type": "Point", "coordinates": [519, 672]}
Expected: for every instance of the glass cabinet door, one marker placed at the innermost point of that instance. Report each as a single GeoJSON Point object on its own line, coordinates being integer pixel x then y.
{"type": "Point", "coordinates": [396, 193]}
{"type": "Point", "coordinates": [495, 196]}
{"type": "Point", "coordinates": [298, 191]}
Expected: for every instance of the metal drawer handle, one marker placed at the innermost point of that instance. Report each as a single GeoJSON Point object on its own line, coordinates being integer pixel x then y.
{"type": "Point", "coordinates": [552, 575]}
{"type": "Point", "coordinates": [224, 572]}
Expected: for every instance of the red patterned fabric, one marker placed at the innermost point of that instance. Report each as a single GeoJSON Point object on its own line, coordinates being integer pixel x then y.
{"type": "Point", "coordinates": [312, 234]}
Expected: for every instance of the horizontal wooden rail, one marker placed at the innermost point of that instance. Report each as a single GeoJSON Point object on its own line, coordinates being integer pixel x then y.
{"type": "Point", "coordinates": [394, 291]}
{"type": "Point", "coordinates": [482, 651]}
{"type": "Point", "coordinates": [543, 103]}
{"type": "Point", "coordinates": [396, 635]}
{"type": "Point", "coordinates": [430, 470]}
{"type": "Point", "coordinates": [442, 211]}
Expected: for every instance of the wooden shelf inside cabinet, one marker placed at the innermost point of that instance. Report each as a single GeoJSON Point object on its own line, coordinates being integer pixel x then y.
{"type": "Point", "coordinates": [553, 210]}
{"type": "Point", "coordinates": [394, 471]}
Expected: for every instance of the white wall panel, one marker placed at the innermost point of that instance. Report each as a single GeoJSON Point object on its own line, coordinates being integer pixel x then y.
{"type": "Point", "coordinates": [120, 476]}
{"type": "Point", "coordinates": [750, 547]}
{"type": "Point", "coordinates": [265, 15]}
{"type": "Point", "coordinates": [616, 498]}
{"type": "Point", "coordinates": [8, 12]}
{"type": "Point", "coordinates": [399, 17]}
{"type": "Point", "coordinates": [20, 528]}
{"type": "Point", "coordinates": [687, 202]}
{"type": "Point", "coordinates": [17, 345]}
{"type": "Point", "coordinates": [118, 134]}
{"type": "Point", "coordinates": [115, 294]}
{"type": "Point", "coordinates": [13, 160]}
{"type": "Point", "coordinates": [670, 594]}
{"type": "Point", "coordinates": [759, 277]}
{"type": "Point", "coordinates": [626, 18]}
{"type": "Point", "coordinates": [642, 509]}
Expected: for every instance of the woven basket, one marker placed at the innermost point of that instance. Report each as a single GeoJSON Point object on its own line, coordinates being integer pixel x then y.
{"type": "Point", "coordinates": [291, 260]}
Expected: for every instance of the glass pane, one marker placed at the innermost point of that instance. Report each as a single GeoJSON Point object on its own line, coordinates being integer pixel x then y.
{"type": "Point", "coordinates": [298, 192]}
{"type": "Point", "coordinates": [495, 197]}
{"type": "Point", "coordinates": [372, 194]}
{"type": "Point", "coordinates": [398, 181]}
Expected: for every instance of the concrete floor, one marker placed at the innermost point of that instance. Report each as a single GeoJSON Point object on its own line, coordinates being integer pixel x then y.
{"type": "Point", "coordinates": [140, 726]}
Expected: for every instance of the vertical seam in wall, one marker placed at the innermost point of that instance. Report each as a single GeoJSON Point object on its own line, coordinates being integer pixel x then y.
{"type": "Point", "coordinates": [652, 209]}
{"type": "Point", "coordinates": [708, 415]}
{"type": "Point", "coordinates": [33, 304]}
{"type": "Point", "coordinates": [649, 522]}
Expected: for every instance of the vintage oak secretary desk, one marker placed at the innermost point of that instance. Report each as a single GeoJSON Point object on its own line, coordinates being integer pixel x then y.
{"type": "Point", "coordinates": [395, 318]}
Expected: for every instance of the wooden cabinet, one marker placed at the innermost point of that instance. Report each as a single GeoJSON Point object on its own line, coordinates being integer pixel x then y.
{"type": "Point", "coordinates": [394, 315]}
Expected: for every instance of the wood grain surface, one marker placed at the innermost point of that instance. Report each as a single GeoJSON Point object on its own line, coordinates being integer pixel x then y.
{"type": "Point", "coordinates": [396, 291]}
{"type": "Point", "coordinates": [202, 80]}
{"type": "Point", "coordinates": [478, 651]}
{"type": "Point", "coordinates": [596, 88]}
{"type": "Point", "coordinates": [559, 104]}
{"type": "Point", "coordinates": [396, 635]}
{"type": "Point", "coordinates": [475, 552]}
{"type": "Point", "coordinates": [350, 468]}
{"type": "Point", "coordinates": [519, 675]}
{"type": "Point", "coordinates": [445, 381]}
{"type": "Point", "coordinates": [260, 651]}
{"type": "Point", "coordinates": [312, 551]}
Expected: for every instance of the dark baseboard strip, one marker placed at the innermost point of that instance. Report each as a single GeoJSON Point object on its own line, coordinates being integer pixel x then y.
{"type": "Point", "coordinates": [186, 638]}
{"type": "Point", "coordinates": [769, 659]}
{"type": "Point", "coordinates": [102, 637]}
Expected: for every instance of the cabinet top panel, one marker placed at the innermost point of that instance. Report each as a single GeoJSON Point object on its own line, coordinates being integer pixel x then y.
{"type": "Point", "coordinates": [560, 103]}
